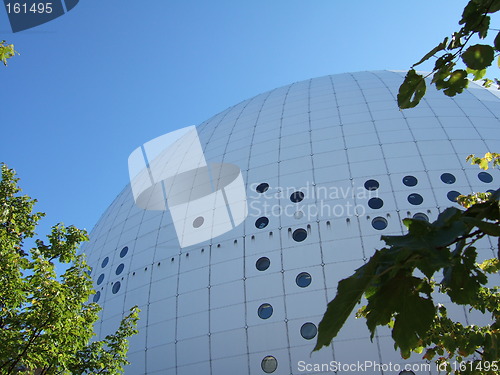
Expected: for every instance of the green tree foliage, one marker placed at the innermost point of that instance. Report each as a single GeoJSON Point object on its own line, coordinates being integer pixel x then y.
{"type": "Point", "coordinates": [45, 319]}
{"type": "Point", "coordinates": [6, 51]}
{"type": "Point", "coordinates": [475, 59]}
{"type": "Point", "coordinates": [400, 287]}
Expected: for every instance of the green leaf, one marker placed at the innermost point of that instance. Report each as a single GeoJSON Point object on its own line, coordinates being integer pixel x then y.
{"type": "Point", "coordinates": [441, 46]}
{"type": "Point", "coordinates": [494, 6]}
{"type": "Point", "coordinates": [349, 293]}
{"type": "Point", "coordinates": [412, 90]}
{"type": "Point", "coordinates": [491, 229]}
{"type": "Point", "coordinates": [478, 74]}
{"type": "Point", "coordinates": [456, 83]}
{"type": "Point", "coordinates": [414, 319]}
{"type": "Point", "coordinates": [478, 56]}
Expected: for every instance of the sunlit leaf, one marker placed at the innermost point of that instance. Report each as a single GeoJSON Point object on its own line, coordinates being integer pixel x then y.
{"type": "Point", "coordinates": [478, 74]}
{"type": "Point", "coordinates": [478, 56]}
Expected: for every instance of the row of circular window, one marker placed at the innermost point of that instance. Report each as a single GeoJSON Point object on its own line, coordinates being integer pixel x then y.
{"type": "Point", "coordinates": [409, 180]}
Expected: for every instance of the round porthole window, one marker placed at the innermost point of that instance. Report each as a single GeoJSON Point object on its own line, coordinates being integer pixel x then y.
{"type": "Point", "coordinates": [262, 264]}
{"type": "Point", "coordinates": [485, 177]}
{"type": "Point", "coordinates": [406, 372]}
{"type": "Point", "coordinates": [265, 311]}
{"type": "Point", "coordinates": [410, 180]}
{"type": "Point", "coordinates": [308, 331]}
{"type": "Point", "coordinates": [269, 364]}
{"type": "Point", "coordinates": [124, 252]}
{"type": "Point", "coordinates": [104, 262]}
{"type": "Point", "coordinates": [453, 195]}
{"type": "Point", "coordinates": [119, 269]}
{"type": "Point", "coordinates": [297, 196]}
{"type": "Point", "coordinates": [116, 287]}
{"type": "Point", "coordinates": [379, 223]}
{"type": "Point", "coordinates": [96, 297]}
{"type": "Point", "coordinates": [299, 235]}
{"type": "Point", "coordinates": [100, 279]}
{"type": "Point", "coordinates": [303, 279]}
{"type": "Point", "coordinates": [448, 178]}
{"type": "Point", "coordinates": [375, 203]}
{"type": "Point", "coordinates": [261, 222]}
{"type": "Point", "coordinates": [262, 188]}
{"type": "Point", "coordinates": [421, 216]}
{"type": "Point", "coordinates": [198, 222]}
{"type": "Point", "coordinates": [415, 199]}
{"type": "Point", "coordinates": [372, 185]}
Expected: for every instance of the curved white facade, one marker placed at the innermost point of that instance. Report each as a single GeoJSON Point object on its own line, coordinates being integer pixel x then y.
{"type": "Point", "coordinates": [361, 166]}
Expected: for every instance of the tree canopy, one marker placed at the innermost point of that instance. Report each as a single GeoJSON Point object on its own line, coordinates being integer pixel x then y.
{"type": "Point", "coordinates": [473, 60]}
{"type": "Point", "coordinates": [45, 319]}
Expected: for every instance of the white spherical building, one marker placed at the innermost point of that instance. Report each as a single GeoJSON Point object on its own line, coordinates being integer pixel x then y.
{"type": "Point", "coordinates": [329, 164]}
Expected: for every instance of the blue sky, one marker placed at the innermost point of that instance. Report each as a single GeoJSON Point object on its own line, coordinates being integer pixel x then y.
{"type": "Point", "coordinates": [94, 84]}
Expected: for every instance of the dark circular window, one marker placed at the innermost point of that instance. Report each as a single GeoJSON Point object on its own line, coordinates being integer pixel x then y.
{"type": "Point", "coordinates": [198, 222]}
{"type": "Point", "coordinates": [119, 269]}
{"type": "Point", "coordinates": [406, 372]}
{"type": "Point", "coordinates": [96, 297]}
{"type": "Point", "coordinates": [124, 252]}
{"type": "Point", "coordinates": [262, 188]}
{"type": "Point", "coordinates": [299, 235]}
{"type": "Point", "coordinates": [421, 216]}
{"type": "Point", "coordinates": [410, 180]}
{"type": "Point", "coordinates": [448, 178]}
{"type": "Point", "coordinates": [261, 222]}
{"type": "Point", "coordinates": [100, 279]}
{"type": "Point", "coordinates": [116, 287]}
{"type": "Point", "coordinates": [372, 185]}
{"type": "Point", "coordinates": [379, 223]}
{"type": "Point", "coordinates": [453, 195]}
{"type": "Point", "coordinates": [297, 196]}
{"type": "Point", "coordinates": [485, 177]}
{"type": "Point", "coordinates": [104, 262]}
{"type": "Point", "coordinates": [375, 203]}
{"type": "Point", "coordinates": [269, 364]}
{"type": "Point", "coordinates": [265, 311]}
{"type": "Point", "coordinates": [308, 331]}
{"type": "Point", "coordinates": [262, 264]}
{"type": "Point", "coordinates": [303, 279]}
{"type": "Point", "coordinates": [415, 199]}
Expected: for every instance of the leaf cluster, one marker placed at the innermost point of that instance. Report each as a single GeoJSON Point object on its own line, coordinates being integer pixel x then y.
{"type": "Point", "coordinates": [399, 284]}
{"type": "Point", "coordinates": [484, 162]}
{"type": "Point", "coordinates": [6, 51]}
{"type": "Point", "coordinates": [45, 319]}
{"type": "Point", "coordinates": [477, 58]}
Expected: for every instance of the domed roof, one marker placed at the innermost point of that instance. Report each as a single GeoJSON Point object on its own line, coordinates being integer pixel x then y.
{"type": "Point", "coordinates": [329, 164]}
